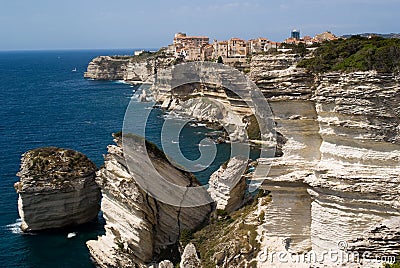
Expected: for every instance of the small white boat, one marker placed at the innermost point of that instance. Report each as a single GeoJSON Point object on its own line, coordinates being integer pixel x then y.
{"type": "Point", "coordinates": [70, 235]}
{"type": "Point", "coordinates": [74, 70]}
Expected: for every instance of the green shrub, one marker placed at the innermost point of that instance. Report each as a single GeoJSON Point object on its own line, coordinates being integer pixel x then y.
{"type": "Point", "coordinates": [222, 213]}
{"type": "Point", "coordinates": [355, 54]}
{"type": "Point", "coordinates": [185, 237]}
{"type": "Point", "coordinates": [391, 265]}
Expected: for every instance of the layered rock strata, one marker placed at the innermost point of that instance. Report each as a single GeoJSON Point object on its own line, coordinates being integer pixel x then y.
{"type": "Point", "coordinates": [356, 182]}
{"type": "Point", "coordinates": [138, 226]}
{"type": "Point", "coordinates": [107, 68]}
{"type": "Point", "coordinates": [383, 239]}
{"type": "Point", "coordinates": [127, 68]}
{"type": "Point", "coordinates": [227, 185]}
{"type": "Point", "coordinates": [289, 92]}
{"type": "Point", "coordinates": [279, 79]}
{"type": "Point", "coordinates": [56, 189]}
{"type": "Point", "coordinates": [342, 149]}
{"type": "Point", "coordinates": [338, 174]}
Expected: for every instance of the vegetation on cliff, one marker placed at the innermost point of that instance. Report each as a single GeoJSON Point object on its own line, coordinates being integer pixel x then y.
{"type": "Point", "coordinates": [145, 55]}
{"type": "Point", "coordinates": [229, 239]}
{"type": "Point", "coordinates": [392, 265]}
{"type": "Point", "coordinates": [55, 163]}
{"type": "Point", "coordinates": [355, 54]}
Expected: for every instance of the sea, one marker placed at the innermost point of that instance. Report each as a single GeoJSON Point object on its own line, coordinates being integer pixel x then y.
{"type": "Point", "coordinates": [47, 102]}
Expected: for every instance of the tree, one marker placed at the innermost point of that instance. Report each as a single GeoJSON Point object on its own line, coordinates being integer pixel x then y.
{"type": "Point", "coordinates": [219, 60]}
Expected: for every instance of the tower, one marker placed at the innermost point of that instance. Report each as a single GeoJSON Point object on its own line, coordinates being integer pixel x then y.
{"type": "Point", "coordinates": [295, 34]}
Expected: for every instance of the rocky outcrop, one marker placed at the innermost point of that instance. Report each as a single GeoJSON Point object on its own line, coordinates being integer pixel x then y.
{"type": "Point", "coordinates": [138, 227]}
{"type": "Point", "coordinates": [279, 79]}
{"type": "Point", "coordinates": [165, 264]}
{"type": "Point", "coordinates": [189, 258]}
{"type": "Point", "coordinates": [337, 176]}
{"type": "Point", "coordinates": [227, 186]}
{"type": "Point", "coordinates": [107, 68]}
{"type": "Point", "coordinates": [128, 68]}
{"type": "Point", "coordinates": [56, 189]}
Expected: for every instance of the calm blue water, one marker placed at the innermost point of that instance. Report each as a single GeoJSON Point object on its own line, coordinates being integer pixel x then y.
{"type": "Point", "coordinates": [45, 104]}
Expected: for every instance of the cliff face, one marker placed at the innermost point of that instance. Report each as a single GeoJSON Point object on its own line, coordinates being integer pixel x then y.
{"type": "Point", "coordinates": [279, 79]}
{"type": "Point", "coordinates": [56, 189]}
{"type": "Point", "coordinates": [107, 68]}
{"type": "Point", "coordinates": [138, 227]}
{"type": "Point", "coordinates": [338, 176]}
{"type": "Point", "coordinates": [289, 91]}
{"type": "Point", "coordinates": [337, 180]}
{"type": "Point", "coordinates": [127, 68]}
{"type": "Point", "coordinates": [355, 182]}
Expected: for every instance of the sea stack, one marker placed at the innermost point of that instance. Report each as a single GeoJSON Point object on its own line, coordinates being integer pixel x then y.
{"type": "Point", "coordinates": [57, 189]}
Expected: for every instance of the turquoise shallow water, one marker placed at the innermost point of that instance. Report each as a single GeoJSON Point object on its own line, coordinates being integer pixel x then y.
{"type": "Point", "coordinates": [44, 103]}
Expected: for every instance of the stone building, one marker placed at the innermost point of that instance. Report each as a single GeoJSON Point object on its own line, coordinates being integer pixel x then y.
{"type": "Point", "coordinates": [197, 41]}
{"type": "Point", "coordinates": [237, 48]}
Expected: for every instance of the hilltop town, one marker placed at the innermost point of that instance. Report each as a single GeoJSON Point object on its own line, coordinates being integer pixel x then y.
{"type": "Point", "coordinates": [196, 48]}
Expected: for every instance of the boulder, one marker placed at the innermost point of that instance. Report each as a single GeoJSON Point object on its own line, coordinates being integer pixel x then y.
{"type": "Point", "coordinates": [189, 257]}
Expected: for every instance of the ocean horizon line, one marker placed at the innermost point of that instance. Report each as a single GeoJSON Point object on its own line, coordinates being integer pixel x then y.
{"type": "Point", "coordinates": [75, 49]}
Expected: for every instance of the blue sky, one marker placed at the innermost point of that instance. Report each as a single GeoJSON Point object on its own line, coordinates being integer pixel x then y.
{"type": "Point", "coordinates": [74, 24]}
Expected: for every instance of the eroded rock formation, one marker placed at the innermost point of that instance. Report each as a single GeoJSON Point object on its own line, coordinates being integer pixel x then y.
{"type": "Point", "coordinates": [127, 68]}
{"type": "Point", "coordinates": [355, 184]}
{"type": "Point", "coordinates": [338, 175]}
{"type": "Point", "coordinates": [138, 227]}
{"type": "Point", "coordinates": [56, 189]}
{"type": "Point", "coordinates": [227, 185]}
{"type": "Point", "coordinates": [107, 68]}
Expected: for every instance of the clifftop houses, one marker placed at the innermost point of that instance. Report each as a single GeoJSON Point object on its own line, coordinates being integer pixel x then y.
{"type": "Point", "coordinates": [195, 48]}
{"type": "Point", "coordinates": [308, 40]}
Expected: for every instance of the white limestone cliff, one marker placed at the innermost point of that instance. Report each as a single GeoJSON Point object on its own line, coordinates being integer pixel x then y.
{"type": "Point", "coordinates": [138, 226]}
{"type": "Point", "coordinates": [227, 185]}
{"type": "Point", "coordinates": [338, 176]}
{"type": "Point", "coordinates": [127, 68]}
{"type": "Point", "coordinates": [356, 182]}
{"type": "Point", "coordinates": [56, 189]}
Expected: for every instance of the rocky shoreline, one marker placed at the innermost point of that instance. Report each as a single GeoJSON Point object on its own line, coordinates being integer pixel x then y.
{"type": "Point", "coordinates": [341, 146]}
{"type": "Point", "coordinates": [334, 181]}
